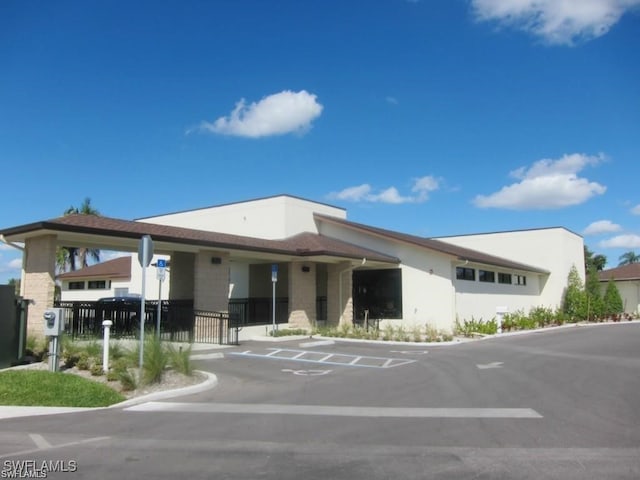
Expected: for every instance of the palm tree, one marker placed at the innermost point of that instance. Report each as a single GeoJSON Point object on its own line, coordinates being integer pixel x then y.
{"type": "Point", "coordinates": [628, 258]}
{"type": "Point", "coordinates": [70, 257]}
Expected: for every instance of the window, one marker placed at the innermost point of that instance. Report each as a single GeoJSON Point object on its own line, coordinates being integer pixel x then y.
{"type": "Point", "coordinates": [486, 276]}
{"type": "Point", "coordinates": [505, 278]}
{"type": "Point", "coordinates": [76, 285]}
{"type": "Point", "coordinates": [379, 292]}
{"type": "Point", "coordinates": [97, 284]}
{"type": "Point", "coordinates": [463, 273]}
{"type": "Point", "coordinates": [120, 292]}
{"type": "Point", "coordinates": [521, 280]}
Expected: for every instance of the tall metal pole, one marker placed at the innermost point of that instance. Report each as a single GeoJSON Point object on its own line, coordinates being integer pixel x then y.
{"type": "Point", "coordinates": [142, 310]}
{"type": "Point", "coordinates": [273, 312]}
{"type": "Point", "coordinates": [159, 307]}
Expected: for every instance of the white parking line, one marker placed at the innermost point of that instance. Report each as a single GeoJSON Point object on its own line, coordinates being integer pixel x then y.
{"type": "Point", "coordinates": [328, 358]}
{"type": "Point", "coordinates": [341, 411]}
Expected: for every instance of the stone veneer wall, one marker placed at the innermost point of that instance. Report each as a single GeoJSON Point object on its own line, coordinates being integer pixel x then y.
{"type": "Point", "coordinates": [211, 281]}
{"type": "Point", "coordinates": [39, 279]}
{"type": "Point", "coordinates": [302, 295]}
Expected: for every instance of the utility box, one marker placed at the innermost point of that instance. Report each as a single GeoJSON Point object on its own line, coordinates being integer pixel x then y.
{"type": "Point", "coordinates": [53, 322]}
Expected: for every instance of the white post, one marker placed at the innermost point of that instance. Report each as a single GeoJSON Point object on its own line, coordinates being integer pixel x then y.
{"type": "Point", "coordinates": [105, 345]}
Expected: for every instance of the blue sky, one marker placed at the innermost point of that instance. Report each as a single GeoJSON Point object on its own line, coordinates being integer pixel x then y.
{"type": "Point", "coordinates": [431, 117]}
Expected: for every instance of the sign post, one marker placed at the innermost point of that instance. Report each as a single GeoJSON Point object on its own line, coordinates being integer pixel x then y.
{"type": "Point", "coordinates": [161, 267]}
{"type": "Point", "coordinates": [274, 280]}
{"type": "Point", "coordinates": [145, 254]}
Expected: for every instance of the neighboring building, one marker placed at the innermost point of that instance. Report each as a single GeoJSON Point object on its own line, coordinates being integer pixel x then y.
{"type": "Point", "coordinates": [329, 269]}
{"type": "Point", "coordinates": [627, 279]}
{"type": "Point", "coordinates": [119, 277]}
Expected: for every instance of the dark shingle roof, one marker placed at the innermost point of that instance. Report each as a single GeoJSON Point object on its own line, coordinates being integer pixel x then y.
{"type": "Point", "coordinates": [460, 253]}
{"type": "Point", "coordinates": [299, 245]}
{"type": "Point", "coordinates": [625, 272]}
{"type": "Point", "coordinates": [117, 268]}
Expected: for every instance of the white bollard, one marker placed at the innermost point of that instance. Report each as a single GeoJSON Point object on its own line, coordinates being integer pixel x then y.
{"type": "Point", "coordinates": [105, 345]}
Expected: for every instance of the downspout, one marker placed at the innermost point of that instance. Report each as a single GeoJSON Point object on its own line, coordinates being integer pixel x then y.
{"type": "Point", "coordinates": [340, 273]}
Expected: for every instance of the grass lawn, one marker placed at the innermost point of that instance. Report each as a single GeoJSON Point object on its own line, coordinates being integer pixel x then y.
{"type": "Point", "coordinates": [53, 389]}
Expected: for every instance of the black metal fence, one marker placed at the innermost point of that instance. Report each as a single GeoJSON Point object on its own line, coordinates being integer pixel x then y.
{"type": "Point", "coordinates": [84, 319]}
{"type": "Point", "coordinates": [259, 311]}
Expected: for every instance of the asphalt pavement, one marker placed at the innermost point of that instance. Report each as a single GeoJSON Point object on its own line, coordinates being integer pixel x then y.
{"type": "Point", "coordinates": [556, 404]}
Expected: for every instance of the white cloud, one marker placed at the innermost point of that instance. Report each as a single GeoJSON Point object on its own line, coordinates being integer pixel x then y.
{"type": "Point", "coordinates": [364, 193]}
{"type": "Point", "coordinates": [621, 241]}
{"type": "Point", "coordinates": [16, 263]}
{"type": "Point", "coordinates": [601, 226]}
{"type": "Point", "coordinates": [547, 184]}
{"type": "Point", "coordinates": [636, 210]}
{"type": "Point", "coordinates": [392, 100]}
{"type": "Point", "coordinates": [557, 22]}
{"type": "Point", "coordinates": [277, 114]}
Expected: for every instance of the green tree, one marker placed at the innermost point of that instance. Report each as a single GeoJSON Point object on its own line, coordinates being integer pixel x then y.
{"type": "Point", "coordinates": [592, 260]}
{"type": "Point", "coordinates": [69, 258]}
{"type": "Point", "coordinates": [613, 304]}
{"type": "Point", "coordinates": [16, 284]}
{"type": "Point", "coordinates": [628, 258]}
{"type": "Point", "coordinates": [595, 304]}
{"type": "Point", "coordinates": [575, 298]}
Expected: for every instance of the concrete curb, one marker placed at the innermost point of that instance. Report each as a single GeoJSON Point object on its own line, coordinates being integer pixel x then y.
{"type": "Point", "coordinates": [210, 383]}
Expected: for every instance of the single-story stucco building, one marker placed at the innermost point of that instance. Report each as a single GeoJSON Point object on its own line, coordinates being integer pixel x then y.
{"type": "Point", "coordinates": [627, 279]}
{"type": "Point", "coordinates": [330, 269]}
{"type": "Point", "coordinates": [119, 277]}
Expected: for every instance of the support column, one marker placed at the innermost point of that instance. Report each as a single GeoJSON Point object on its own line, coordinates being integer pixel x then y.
{"type": "Point", "coordinates": [211, 281]}
{"type": "Point", "coordinates": [182, 276]}
{"type": "Point", "coordinates": [302, 295]}
{"type": "Point", "coordinates": [339, 294]}
{"type": "Point", "coordinates": [39, 279]}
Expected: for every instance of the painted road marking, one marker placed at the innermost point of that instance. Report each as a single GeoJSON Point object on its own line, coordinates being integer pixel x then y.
{"type": "Point", "coordinates": [306, 373]}
{"type": "Point", "coordinates": [410, 352]}
{"type": "Point", "coordinates": [327, 358]}
{"type": "Point", "coordinates": [487, 366]}
{"type": "Point", "coordinates": [335, 411]}
{"type": "Point", "coordinates": [40, 441]}
{"type": "Point", "coordinates": [317, 343]}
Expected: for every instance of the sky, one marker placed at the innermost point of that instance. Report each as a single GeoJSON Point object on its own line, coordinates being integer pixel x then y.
{"type": "Point", "coordinates": [429, 117]}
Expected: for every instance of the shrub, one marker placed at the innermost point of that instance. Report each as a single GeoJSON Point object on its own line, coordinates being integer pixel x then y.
{"type": "Point", "coordinates": [388, 332]}
{"type": "Point", "coordinates": [180, 359]}
{"type": "Point", "coordinates": [416, 332]}
{"type": "Point", "coordinates": [127, 380]}
{"type": "Point", "coordinates": [84, 361]}
{"type": "Point", "coordinates": [96, 369]}
{"type": "Point", "coordinates": [155, 360]}
{"type": "Point", "coordinates": [288, 331]}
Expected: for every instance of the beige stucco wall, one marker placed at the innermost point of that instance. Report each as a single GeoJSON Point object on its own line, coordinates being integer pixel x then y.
{"type": "Point", "coordinates": [552, 249]}
{"type": "Point", "coordinates": [270, 218]}
{"type": "Point", "coordinates": [630, 293]}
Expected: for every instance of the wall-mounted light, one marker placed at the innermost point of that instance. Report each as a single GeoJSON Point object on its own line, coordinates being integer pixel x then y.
{"type": "Point", "coordinates": [306, 269]}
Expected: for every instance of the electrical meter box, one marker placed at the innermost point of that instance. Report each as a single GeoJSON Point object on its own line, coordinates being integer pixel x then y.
{"type": "Point", "coordinates": [53, 322]}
